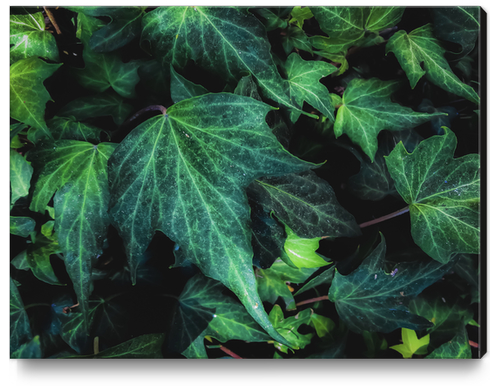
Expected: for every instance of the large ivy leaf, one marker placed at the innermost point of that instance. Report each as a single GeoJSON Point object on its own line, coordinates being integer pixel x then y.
{"type": "Point", "coordinates": [184, 173]}
{"type": "Point", "coordinates": [229, 320]}
{"type": "Point", "coordinates": [106, 103]}
{"type": "Point", "coordinates": [411, 344]}
{"type": "Point", "coordinates": [28, 96]}
{"type": "Point", "coordinates": [125, 25]}
{"type": "Point", "coordinates": [419, 46]}
{"type": "Point", "coordinates": [21, 226]}
{"type": "Point", "coordinates": [373, 300]}
{"type": "Point", "coordinates": [304, 86]}
{"type": "Point", "coordinates": [367, 109]}
{"type": "Point", "coordinates": [103, 71]}
{"type": "Point", "coordinates": [77, 172]}
{"type": "Point", "coordinates": [457, 348]}
{"type": "Point", "coordinates": [223, 40]}
{"type": "Point", "coordinates": [20, 329]}
{"type": "Point", "coordinates": [29, 38]}
{"type": "Point", "coordinates": [443, 194]}
{"type": "Point", "coordinates": [20, 176]}
{"type": "Point", "coordinates": [305, 203]}
{"type": "Point", "coordinates": [459, 25]}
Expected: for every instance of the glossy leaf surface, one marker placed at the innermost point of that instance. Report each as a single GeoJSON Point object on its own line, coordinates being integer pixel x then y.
{"type": "Point", "coordinates": [411, 344]}
{"type": "Point", "coordinates": [186, 171]}
{"type": "Point", "coordinates": [419, 46]}
{"type": "Point", "coordinates": [443, 194]}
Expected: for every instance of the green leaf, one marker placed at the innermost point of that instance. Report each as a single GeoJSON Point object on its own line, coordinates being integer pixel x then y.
{"type": "Point", "coordinates": [224, 41]}
{"type": "Point", "coordinates": [419, 46]}
{"type": "Point", "coordinates": [367, 109]}
{"type": "Point", "coordinates": [443, 194]}
{"type": "Point", "coordinates": [29, 350]}
{"type": "Point", "coordinates": [467, 267]}
{"type": "Point", "coordinates": [411, 344]}
{"type": "Point", "coordinates": [20, 329]}
{"type": "Point", "coordinates": [103, 71]}
{"type": "Point", "coordinates": [181, 88]}
{"type": "Point", "coordinates": [185, 172]}
{"type": "Point", "coordinates": [229, 320]}
{"type": "Point", "coordinates": [325, 277]}
{"type": "Point", "coordinates": [304, 86]}
{"type": "Point", "coordinates": [305, 203]}
{"type": "Point", "coordinates": [69, 128]}
{"type": "Point", "coordinates": [29, 38]}
{"type": "Point", "coordinates": [459, 25]}
{"type": "Point", "coordinates": [373, 343]}
{"type": "Point", "coordinates": [38, 254]}
{"type": "Point", "coordinates": [274, 17]}
{"type": "Point", "coordinates": [21, 226]}
{"type": "Point", "coordinates": [288, 328]}
{"type": "Point", "coordinates": [457, 348]}
{"type": "Point", "coordinates": [28, 96]}
{"type": "Point", "coordinates": [323, 326]}
{"type": "Point", "coordinates": [125, 25]}
{"type": "Point", "coordinates": [20, 261]}
{"type": "Point", "coordinates": [77, 172]}
{"type": "Point", "coordinates": [20, 177]}
{"type": "Point", "coordinates": [47, 229]}
{"type": "Point", "coordinates": [106, 103]}
{"type": "Point", "coordinates": [301, 251]}
{"type": "Point", "coordinates": [273, 282]}
{"type": "Point", "coordinates": [299, 15]}
{"type": "Point", "coordinates": [295, 37]}
{"type": "Point", "coordinates": [373, 300]}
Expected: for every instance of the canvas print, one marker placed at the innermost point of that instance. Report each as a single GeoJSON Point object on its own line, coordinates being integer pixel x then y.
{"type": "Point", "coordinates": [246, 182]}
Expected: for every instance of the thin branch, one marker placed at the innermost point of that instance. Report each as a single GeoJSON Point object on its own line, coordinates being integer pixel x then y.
{"type": "Point", "coordinates": [37, 304]}
{"type": "Point", "coordinates": [384, 218]}
{"type": "Point", "coordinates": [229, 352]}
{"type": "Point", "coordinates": [52, 20]}
{"type": "Point", "coordinates": [473, 344]}
{"type": "Point", "coordinates": [313, 300]}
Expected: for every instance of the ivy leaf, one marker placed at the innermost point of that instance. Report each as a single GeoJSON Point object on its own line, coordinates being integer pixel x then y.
{"type": "Point", "coordinates": [103, 71]}
{"type": "Point", "coordinates": [106, 103]}
{"type": "Point", "coordinates": [181, 88]}
{"type": "Point", "coordinates": [125, 25]}
{"type": "Point", "coordinates": [28, 96]}
{"type": "Point", "coordinates": [467, 267]}
{"type": "Point", "coordinates": [288, 328]}
{"type": "Point", "coordinates": [274, 17]}
{"type": "Point", "coordinates": [66, 128]}
{"type": "Point", "coordinates": [20, 261]}
{"type": "Point", "coordinates": [77, 172]}
{"type": "Point", "coordinates": [367, 109]}
{"type": "Point", "coordinates": [305, 203]}
{"type": "Point", "coordinates": [29, 350]}
{"type": "Point", "coordinates": [20, 329]}
{"type": "Point", "coordinates": [411, 344]}
{"type": "Point", "coordinates": [459, 25]}
{"type": "Point", "coordinates": [299, 15]}
{"type": "Point", "coordinates": [187, 170]}
{"type": "Point", "coordinates": [301, 252]}
{"type": "Point", "coordinates": [325, 277]}
{"type": "Point", "coordinates": [20, 177]}
{"type": "Point", "coordinates": [21, 226]}
{"type": "Point", "coordinates": [457, 348]}
{"type": "Point", "coordinates": [222, 40]}
{"type": "Point", "coordinates": [419, 46]}
{"type": "Point", "coordinates": [272, 283]}
{"type": "Point", "coordinates": [37, 257]}
{"type": "Point", "coordinates": [295, 37]}
{"type": "Point", "coordinates": [29, 38]}
{"type": "Point", "coordinates": [230, 320]}
{"type": "Point", "coordinates": [373, 343]}
{"type": "Point", "coordinates": [443, 194]}
{"type": "Point", "coordinates": [373, 300]}
{"type": "Point", "coordinates": [304, 86]}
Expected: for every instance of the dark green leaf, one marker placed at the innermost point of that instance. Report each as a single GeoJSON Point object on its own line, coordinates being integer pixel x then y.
{"type": "Point", "coordinates": [443, 194]}
{"type": "Point", "coordinates": [29, 350]}
{"type": "Point", "coordinates": [457, 348]}
{"type": "Point", "coordinates": [305, 203]}
{"type": "Point", "coordinates": [468, 269]}
{"type": "Point", "coordinates": [28, 96]}
{"type": "Point", "coordinates": [20, 329]}
{"type": "Point", "coordinates": [373, 300]}
{"type": "Point", "coordinates": [373, 343]}
{"type": "Point", "coordinates": [325, 277]}
{"type": "Point", "coordinates": [21, 226]}
{"type": "Point", "coordinates": [20, 176]}
{"type": "Point", "coordinates": [69, 128]}
{"type": "Point", "coordinates": [29, 38]}
{"type": "Point", "coordinates": [38, 254]}
{"type": "Point", "coordinates": [20, 261]}
{"type": "Point", "coordinates": [419, 46]}
{"type": "Point", "coordinates": [295, 38]}
{"type": "Point", "coordinates": [273, 17]}
{"type": "Point", "coordinates": [144, 346]}
{"type": "Point", "coordinates": [426, 106]}
{"type": "Point", "coordinates": [181, 88]}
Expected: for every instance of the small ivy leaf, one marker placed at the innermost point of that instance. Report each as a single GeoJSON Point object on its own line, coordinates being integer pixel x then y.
{"type": "Point", "coordinates": [303, 80]}
{"type": "Point", "coordinates": [20, 177]}
{"type": "Point", "coordinates": [125, 25]}
{"type": "Point", "coordinates": [419, 46]}
{"type": "Point", "coordinates": [367, 109]}
{"type": "Point", "coordinates": [301, 251]}
{"type": "Point", "coordinates": [272, 283]}
{"type": "Point", "coordinates": [38, 254]}
{"type": "Point", "coordinates": [288, 328]}
{"type": "Point", "coordinates": [411, 344]}
{"type": "Point", "coordinates": [29, 350]}
{"type": "Point", "coordinates": [229, 319]}
{"type": "Point", "coordinates": [77, 172]}
{"type": "Point", "coordinates": [459, 25]}
{"type": "Point", "coordinates": [28, 96]}
{"type": "Point", "coordinates": [29, 38]}
{"type": "Point", "coordinates": [373, 300]}
{"type": "Point", "coordinates": [323, 326]}
{"type": "Point", "coordinates": [21, 226]}
{"type": "Point", "coordinates": [295, 37]}
{"type": "Point", "coordinates": [457, 348]}
{"type": "Point", "coordinates": [106, 103]}
{"type": "Point", "coordinates": [20, 261]}
{"type": "Point", "coordinates": [181, 88]}
{"type": "Point", "coordinates": [299, 15]}
{"type": "Point", "coordinates": [20, 329]}
{"type": "Point", "coordinates": [306, 203]}
{"type": "Point", "coordinates": [274, 17]}
{"type": "Point", "coordinates": [443, 194]}
{"type": "Point", "coordinates": [69, 128]}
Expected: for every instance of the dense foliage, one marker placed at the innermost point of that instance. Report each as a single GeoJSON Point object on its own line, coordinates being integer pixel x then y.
{"type": "Point", "coordinates": [233, 182]}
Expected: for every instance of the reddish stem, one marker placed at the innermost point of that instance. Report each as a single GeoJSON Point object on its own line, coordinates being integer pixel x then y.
{"type": "Point", "coordinates": [229, 352]}
{"type": "Point", "coordinates": [473, 344]}
{"type": "Point", "coordinates": [161, 108]}
{"type": "Point", "coordinates": [384, 218]}
{"type": "Point", "coordinates": [313, 300]}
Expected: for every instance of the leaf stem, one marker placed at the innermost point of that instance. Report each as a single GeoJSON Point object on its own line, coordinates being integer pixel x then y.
{"type": "Point", "coordinates": [161, 108]}
{"type": "Point", "coordinates": [36, 305]}
{"type": "Point", "coordinates": [229, 352]}
{"type": "Point", "coordinates": [312, 300]}
{"type": "Point", "coordinates": [52, 20]}
{"type": "Point", "coordinates": [384, 218]}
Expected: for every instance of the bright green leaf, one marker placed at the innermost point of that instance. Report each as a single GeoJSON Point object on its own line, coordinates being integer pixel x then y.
{"type": "Point", "coordinates": [443, 194]}
{"type": "Point", "coordinates": [20, 176]}
{"type": "Point", "coordinates": [29, 38]}
{"type": "Point", "coordinates": [299, 15]}
{"type": "Point", "coordinates": [323, 326]}
{"type": "Point", "coordinates": [21, 226]}
{"type": "Point", "coordinates": [419, 46]}
{"type": "Point", "coordinates": [181, 88]}
{"type": "Point", "coordinates": [301, 251]}
{"type": "Point", "coordinates": [288, 328]}
{"type": "Point", "coordinates": [69, 128]}
{"type": "Point", "coordinates": [457, 348]}
{"type": "Point", "coordinates": [411, 344]}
